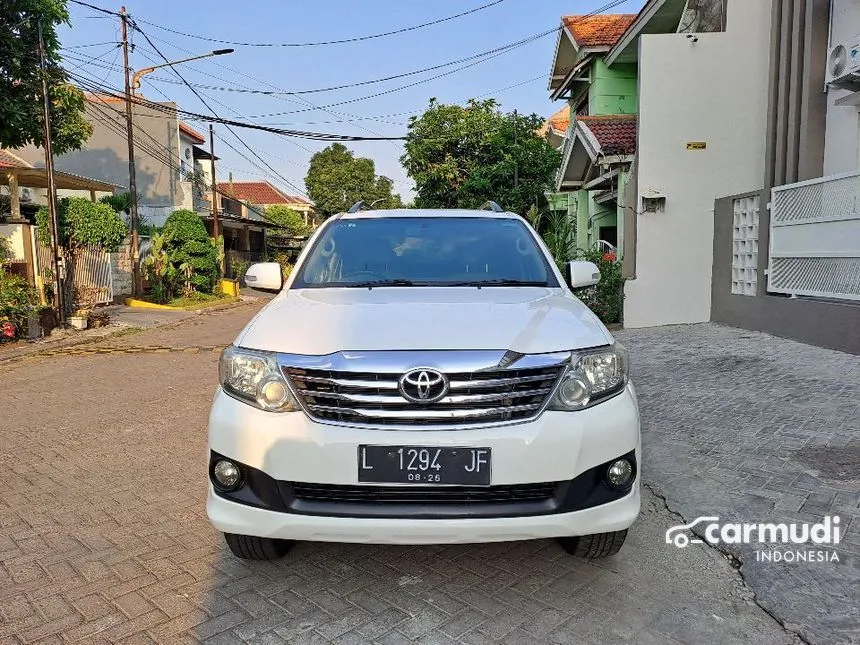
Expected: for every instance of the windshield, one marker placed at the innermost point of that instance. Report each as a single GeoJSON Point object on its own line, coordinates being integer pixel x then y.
{"type": "Point", "coordinates": [425, 251]}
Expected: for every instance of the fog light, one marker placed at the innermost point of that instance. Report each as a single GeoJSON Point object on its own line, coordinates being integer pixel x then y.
{"type": "Point", "coordinates": [226, 474]}
{"type": "Point", "coordinates": [620, 473]}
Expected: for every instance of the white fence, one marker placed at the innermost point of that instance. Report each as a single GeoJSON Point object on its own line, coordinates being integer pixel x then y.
{"type": "Point", "coordinates": [92, 269]}
{"type": "Point", "coordinates": [815, 238]}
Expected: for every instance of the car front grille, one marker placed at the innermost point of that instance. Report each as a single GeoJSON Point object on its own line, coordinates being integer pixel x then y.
{"type": "Point", "coordinates": [473, 398]}
{"type": "Point", "coordinates": [424, 494]}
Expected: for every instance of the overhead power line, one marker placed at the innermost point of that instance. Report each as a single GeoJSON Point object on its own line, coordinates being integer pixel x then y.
{"type": "Point", "coordinates": [154, 149]}
{"type": "Point", "coordinates": [253, 152]}
{"type": "Point", "coordinates": [384, 79]}
{"type": "Point", "coordinates": [95, 8]}
{"type": "Point", "coordinates": [324, 42]}
{"type": "Point", "coordinates": [94, 86]}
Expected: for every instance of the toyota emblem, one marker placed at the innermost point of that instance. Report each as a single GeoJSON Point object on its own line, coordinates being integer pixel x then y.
{"type": "Point", "coordinates": [423, 385]}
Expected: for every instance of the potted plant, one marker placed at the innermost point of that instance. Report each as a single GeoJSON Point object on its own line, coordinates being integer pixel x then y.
{"type": "Point", "coordinates": [85, 300]}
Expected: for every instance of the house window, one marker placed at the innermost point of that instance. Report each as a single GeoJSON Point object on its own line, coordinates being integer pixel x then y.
{"type": "Point", "coordinates": [745, 246]}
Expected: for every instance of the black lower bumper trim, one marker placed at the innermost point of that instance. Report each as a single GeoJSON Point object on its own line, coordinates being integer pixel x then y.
{"type": "Point", "coordinates": [424, 502]}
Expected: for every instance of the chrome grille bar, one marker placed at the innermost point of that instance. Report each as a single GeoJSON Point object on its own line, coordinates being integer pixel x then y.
{"type": "Point", "coordinates": [371, 398]}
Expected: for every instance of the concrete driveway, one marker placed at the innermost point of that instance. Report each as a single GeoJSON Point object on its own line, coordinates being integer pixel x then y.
{"type": "Point", "coordinates": [103, 536]}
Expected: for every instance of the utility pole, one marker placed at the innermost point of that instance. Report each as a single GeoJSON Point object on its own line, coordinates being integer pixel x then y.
{"type": "Point", "coordinates": [132, 181]}
{"type": "Point", "coordinates": [216, 223]}
{"type": "Point", "coordinates": [516, 162]}
{"type": "Point", "coordinates": [56, 263]}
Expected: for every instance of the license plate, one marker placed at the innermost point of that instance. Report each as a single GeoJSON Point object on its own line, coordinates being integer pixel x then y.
{"type": "Point", "coordinates": [424, 465]}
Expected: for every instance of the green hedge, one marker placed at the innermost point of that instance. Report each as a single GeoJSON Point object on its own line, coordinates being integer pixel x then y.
{"type": "Point", "coordinates": [188, 244]}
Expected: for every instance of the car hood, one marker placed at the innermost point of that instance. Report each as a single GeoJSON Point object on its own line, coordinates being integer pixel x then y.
{"type": "Point", "coordinates": [529, 320]}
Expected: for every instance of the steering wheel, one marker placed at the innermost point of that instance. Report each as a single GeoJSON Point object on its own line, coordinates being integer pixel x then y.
{"type": "Point", "coordinates": [364, 272]}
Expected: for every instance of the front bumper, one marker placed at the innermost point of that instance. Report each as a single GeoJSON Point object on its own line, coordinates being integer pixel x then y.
{"type": "Point", "coordinates": [555, 447]}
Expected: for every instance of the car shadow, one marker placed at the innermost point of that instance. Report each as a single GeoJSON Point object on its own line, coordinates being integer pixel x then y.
{"type": "Point", "coordinates": [527, 591]}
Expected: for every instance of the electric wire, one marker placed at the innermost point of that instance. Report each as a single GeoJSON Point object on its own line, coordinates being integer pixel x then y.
{"type": "Point", "coordinates": [327, 42]}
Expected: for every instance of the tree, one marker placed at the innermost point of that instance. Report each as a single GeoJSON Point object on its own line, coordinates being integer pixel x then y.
{"type": "Point", "coordinates": [82, 224]}
{"type": "Point", "coordinates": [190, 249]}
{"type": "Point", "coordinates": [462, 157]}
{"type": "Point", "coordinates": [337, 179]}
{"type": "Point", "coordinates": [21, 121]}
{"type": "Point", "coordinates": [292, 223]}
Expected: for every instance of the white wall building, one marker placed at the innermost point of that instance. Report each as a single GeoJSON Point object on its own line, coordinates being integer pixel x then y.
{"type": "Point", "coordinates": [711, 89]}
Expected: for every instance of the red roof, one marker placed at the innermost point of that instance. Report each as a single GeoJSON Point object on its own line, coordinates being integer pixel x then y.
{"type": "Point", "coordinates": [9, 159]}
{"type": "Point", "coordinates": [615, 133]}
{"type": "Point", "coordinates": [258, 192]}
{"type": "Point", "coordinates": [598, 30]}
{"type": "Point", "coordinates": [191, 132]}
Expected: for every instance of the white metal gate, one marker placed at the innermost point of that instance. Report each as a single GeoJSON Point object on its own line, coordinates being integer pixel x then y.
{"type": "Point", "coordinates": [815, 238]}
{"type": "Point", "coordinates": [92, 269]}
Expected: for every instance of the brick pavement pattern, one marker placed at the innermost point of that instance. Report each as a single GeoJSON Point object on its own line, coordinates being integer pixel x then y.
{"type": "Point", "coordinates": [104, 539]}
{"type": "Point", "coordinates": [751, 427]}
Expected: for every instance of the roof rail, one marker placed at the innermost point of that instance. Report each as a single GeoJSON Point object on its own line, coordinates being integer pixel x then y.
{"type": "Point", "coordinates": [357, 206]}
{"type": "Point", "coordinates": [492, 206]}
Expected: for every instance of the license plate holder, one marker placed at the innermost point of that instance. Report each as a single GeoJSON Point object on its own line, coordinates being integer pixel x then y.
{"type": "Point", "coordinates": [425, 465]}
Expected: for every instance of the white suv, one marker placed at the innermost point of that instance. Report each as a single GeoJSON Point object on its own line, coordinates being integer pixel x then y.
{"type": "Point", "coordinates": [424, 376]}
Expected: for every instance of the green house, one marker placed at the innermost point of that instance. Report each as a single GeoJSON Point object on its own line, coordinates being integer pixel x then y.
{"type": "Point", "coordinates": [598, 144]}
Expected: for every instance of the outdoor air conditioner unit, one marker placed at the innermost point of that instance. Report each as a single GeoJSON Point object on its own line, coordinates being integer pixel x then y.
{"type": "Point", "coordinates": [843, 64]}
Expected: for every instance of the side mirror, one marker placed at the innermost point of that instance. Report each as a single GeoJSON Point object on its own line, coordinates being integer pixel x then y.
{"type": "Point", "coordinates": [582, 274]}
{"type": "Point", "coordinates": [265, 276]}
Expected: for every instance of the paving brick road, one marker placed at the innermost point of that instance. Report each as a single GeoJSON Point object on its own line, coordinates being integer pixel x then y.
{"type": "Point", "coordinates": [103, 535]}
{"type": "Point", "coordinates": [751, 427]}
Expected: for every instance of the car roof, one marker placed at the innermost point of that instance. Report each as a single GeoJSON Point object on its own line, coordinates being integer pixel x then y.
{"type": "Point", "coordinates": [428, 212]}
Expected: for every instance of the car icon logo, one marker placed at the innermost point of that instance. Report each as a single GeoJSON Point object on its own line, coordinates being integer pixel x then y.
{"type": "Point", "coordinates": [676, 535]}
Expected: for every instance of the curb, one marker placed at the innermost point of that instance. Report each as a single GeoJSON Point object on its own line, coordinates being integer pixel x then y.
{"type": "Point", "coordinates": [144, 304]}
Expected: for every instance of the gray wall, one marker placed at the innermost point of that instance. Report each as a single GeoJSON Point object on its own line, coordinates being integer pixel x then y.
{"type": "Point", "coordinates": [831, 324]}
{"type": "Point", "coordinates": [105, 154]}
{"type": "Point", "coordinates": [797, 104]}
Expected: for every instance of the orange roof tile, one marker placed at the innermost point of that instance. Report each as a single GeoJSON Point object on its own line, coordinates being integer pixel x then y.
{"type": "Point", "coordinates": [558, 122]}
{"type": "Point", "coordinates": [258, 192]}
{"type": "Point", "coordinates": [9, 159]}
{"type": "Point", "coordinates": [598, 30]}
{"type": "Point", "coordinates": [561, 120]}
{"type": "Point", "coordinates": [191, 132]}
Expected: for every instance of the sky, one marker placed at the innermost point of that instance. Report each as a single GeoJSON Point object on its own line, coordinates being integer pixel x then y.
{"type": "Point", "coordinates": [517, 78]}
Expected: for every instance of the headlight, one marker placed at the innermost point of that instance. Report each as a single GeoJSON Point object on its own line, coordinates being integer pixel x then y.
{"type": "Point", "coordinates": [254, 377]}
{"type": "Point", "coordinates": [594, 376]}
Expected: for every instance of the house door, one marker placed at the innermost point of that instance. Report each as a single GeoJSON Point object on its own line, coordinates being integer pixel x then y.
{"type": "Point", "coordinates": [609, 234]}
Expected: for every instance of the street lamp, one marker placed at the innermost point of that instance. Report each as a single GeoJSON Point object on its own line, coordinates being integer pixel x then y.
{"type": "Point", "coordinates": [130, 86]}
{"type": "Point", "coordinates": [135, 81]}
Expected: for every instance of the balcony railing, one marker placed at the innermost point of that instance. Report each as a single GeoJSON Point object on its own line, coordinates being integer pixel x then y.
{"type": "Point", "coordinates": [815, 238]}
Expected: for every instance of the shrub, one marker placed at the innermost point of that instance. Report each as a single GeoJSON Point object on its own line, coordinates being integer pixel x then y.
{"type": "Point", "coordinates": [159, 271]}
{"type": "Point", "coordinates": [83, 223]}
{"type": "Point", "coordinates": [238, 268]}
{"type": "Point", "coordinates": [190, 250]}
{"type": "Point", "coordinates": [5, 249]}
{"type": "Point", "coordinates": [606, 298]}
{"type": "Point", "coordinates": [286, 266]}
{"type": "Point", "coordinates": [18, 301]}
{"type": "Point", "coordinates": [558, 231]}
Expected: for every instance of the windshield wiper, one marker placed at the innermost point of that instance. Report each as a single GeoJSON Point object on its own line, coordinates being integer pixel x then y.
{"type": "Point", "coordinates": [396, 282]}
{"type": "Point", "coordinates": [498, 282]}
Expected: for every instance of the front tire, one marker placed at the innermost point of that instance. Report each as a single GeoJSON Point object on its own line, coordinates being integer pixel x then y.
{"type": "Point", "coordinates": [599, 545]}
{"type": "Point", "coordinates": [251, 547]}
